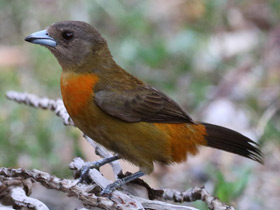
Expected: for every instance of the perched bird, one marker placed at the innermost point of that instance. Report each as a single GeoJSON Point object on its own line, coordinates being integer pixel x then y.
{"type": "Point", "coordinates": [127, 116]}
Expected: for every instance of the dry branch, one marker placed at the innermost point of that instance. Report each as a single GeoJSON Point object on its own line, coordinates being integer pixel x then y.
{"type": "Point", "coordinates": [42, 103]}
{"type": "Point", "coordinates": [22, 200]}
{"type": "Point", "coordinates": [194, 194]}
{"type": "Point", "coordinates": [6, 207]}
{"type": "Point", "coordinates": [88, 193]}
{"type": "Point", "coordinates": [14, 191]}
{"type": "Point", "coordinates": [70, 187]}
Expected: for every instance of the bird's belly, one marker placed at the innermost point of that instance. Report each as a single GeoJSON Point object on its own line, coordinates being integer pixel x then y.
{"type": "Point", "coordinates": [141, 143]}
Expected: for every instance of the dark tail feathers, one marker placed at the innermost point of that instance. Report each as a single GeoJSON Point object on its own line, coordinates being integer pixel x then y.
{"type": "Point", "coordinates": [231, 141]}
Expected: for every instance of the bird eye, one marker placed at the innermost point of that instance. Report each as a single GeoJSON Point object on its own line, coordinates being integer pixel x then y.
{"type": "Point", "coordinates": [67, 35]}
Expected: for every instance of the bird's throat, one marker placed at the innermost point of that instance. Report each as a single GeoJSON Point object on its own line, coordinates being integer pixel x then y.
{"type": "Point", "coordinates": [77, 91]}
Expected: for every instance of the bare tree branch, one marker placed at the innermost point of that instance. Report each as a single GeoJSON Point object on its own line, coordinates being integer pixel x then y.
{"type": "Point", "coordinates": [87, 193]}
{"type": "Point", "coordinates": [22, 200]}
{"type": "Point", "coordinates": [71, 188]}
{"type": "Point", "coordinates": [196, 193]}
{"type": "Point", "coordinates": [147, 204]}
{"type": "Point", "coordinates": [15, 192]}
{"type": "Point", "coordinates": [42, 103]}
{"type": "Point", "coordinates": [5, 207]}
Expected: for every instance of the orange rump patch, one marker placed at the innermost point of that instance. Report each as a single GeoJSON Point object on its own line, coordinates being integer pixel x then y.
{"type": "Point", "coordinates": [77, 90]}
{"type": "Point", "coordinates": [183, 138]}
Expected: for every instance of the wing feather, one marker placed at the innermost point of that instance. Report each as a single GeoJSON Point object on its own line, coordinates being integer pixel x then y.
{"type": "Point", "coordinates": [145, 104]}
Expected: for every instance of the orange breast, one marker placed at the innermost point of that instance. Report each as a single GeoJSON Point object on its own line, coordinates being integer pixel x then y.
{"type": "Point", "coordinates": [77, 91]}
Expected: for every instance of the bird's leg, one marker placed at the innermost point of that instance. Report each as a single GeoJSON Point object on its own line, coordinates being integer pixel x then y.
{"type": "Point", "coordinates": [111, 187]}
{"type": "Point", "coordinates": [96, 164]}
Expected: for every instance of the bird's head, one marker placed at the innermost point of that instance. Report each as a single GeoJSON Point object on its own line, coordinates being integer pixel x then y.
{"type": "Point", "coordinates": [74, 43]}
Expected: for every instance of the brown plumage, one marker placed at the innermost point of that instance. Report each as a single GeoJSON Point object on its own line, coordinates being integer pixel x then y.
{"type": "Point", "coordinates": [122, 113]}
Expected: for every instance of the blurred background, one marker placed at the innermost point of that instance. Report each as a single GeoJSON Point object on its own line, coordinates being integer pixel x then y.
{"type": "Point", "coordinates": [220, 60]}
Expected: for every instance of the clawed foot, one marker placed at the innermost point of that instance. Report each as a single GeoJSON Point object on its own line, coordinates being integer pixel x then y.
{"type": "Point", "coordinates": [107, 190]}
{"type": "Point", "coordinates": [97, 164]}
{"type": "Point", "coordinates": [111, 187]}
{"type": "Point", "coordinates": [84, 177]}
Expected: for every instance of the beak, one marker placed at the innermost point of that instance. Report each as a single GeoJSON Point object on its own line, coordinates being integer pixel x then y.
{"type": "Point", "coordinates": [42, 38]}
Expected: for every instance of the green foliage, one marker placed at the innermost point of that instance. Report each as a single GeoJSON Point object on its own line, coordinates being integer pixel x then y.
{"type": "Point", "coordinates": [200, 205]}
{"type": "Point", "coordinates": [230, 190]}
{"type": "Point", "coordinates": [271, 133]}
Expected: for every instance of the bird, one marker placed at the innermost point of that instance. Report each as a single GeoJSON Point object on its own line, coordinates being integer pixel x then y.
{"type": "Point", "coordinates": [127, 116]}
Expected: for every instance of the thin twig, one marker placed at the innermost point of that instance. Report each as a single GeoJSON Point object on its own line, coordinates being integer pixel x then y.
{"type": "Point", "coordinates": [43, 103]}
{"type": "Point", "coordinates": [196, 193]}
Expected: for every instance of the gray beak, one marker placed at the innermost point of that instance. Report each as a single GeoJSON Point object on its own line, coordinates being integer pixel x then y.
{"type": "Point", "coordinates": [42, 38]}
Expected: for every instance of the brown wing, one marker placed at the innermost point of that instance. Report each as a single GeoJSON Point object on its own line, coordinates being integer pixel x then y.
{"type": "Point", "coordinates": [144, 104]}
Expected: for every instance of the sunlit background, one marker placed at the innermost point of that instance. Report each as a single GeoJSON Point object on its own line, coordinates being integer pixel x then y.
{"type": "Point", "coordinates": [220, 60]}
